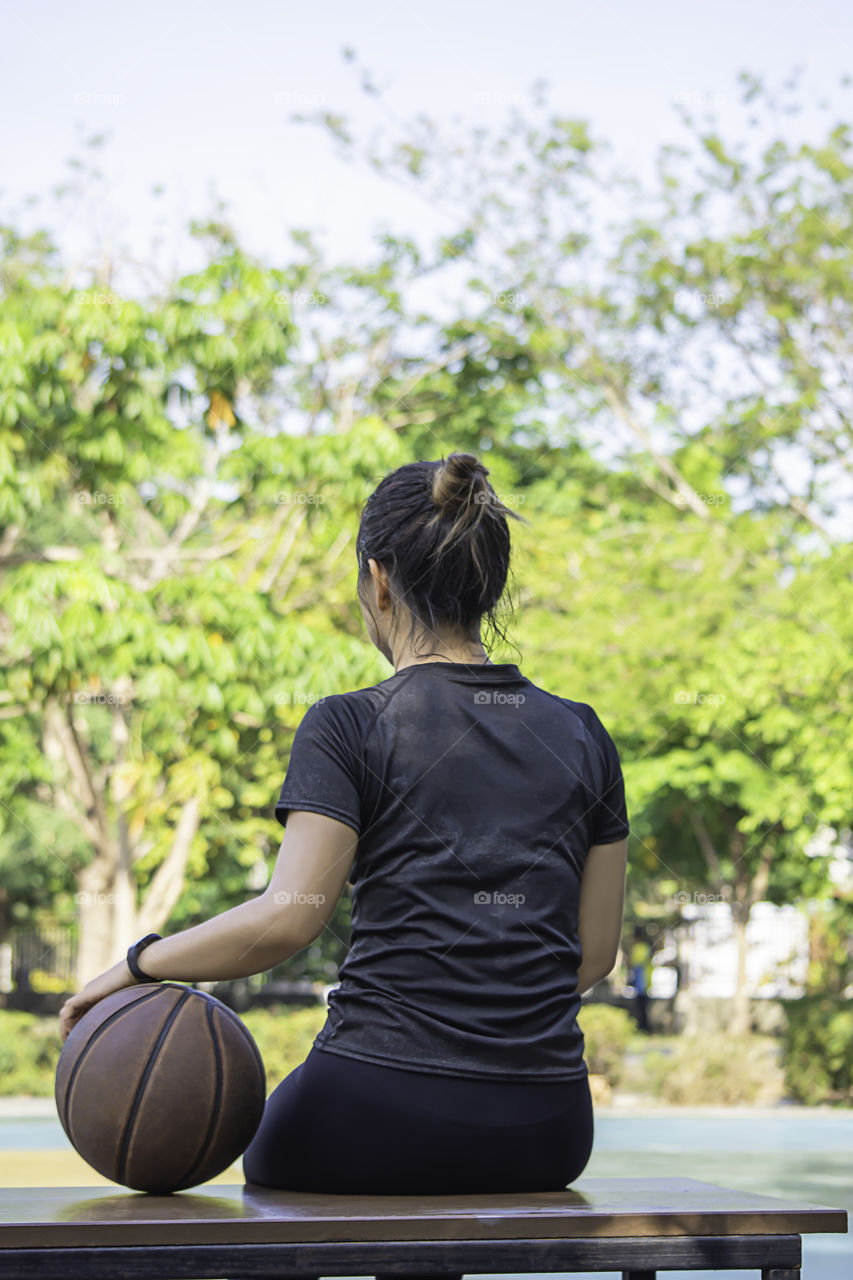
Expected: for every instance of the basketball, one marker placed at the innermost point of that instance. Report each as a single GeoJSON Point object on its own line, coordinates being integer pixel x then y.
{"type": "Point", "coordinates": [160, 1087]}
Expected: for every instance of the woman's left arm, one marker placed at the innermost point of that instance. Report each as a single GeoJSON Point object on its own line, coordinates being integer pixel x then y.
{"type": "Point", "coordinates": [314, 861]}
{"type": "Point", "coordinates": [246, 939]}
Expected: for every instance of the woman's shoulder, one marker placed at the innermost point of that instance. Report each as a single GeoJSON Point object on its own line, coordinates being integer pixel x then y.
{"type": "Point", "coordinates": [354, 710]}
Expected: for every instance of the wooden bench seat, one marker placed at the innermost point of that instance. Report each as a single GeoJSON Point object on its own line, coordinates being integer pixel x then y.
{"type": "Point", "coordinates": [634, 1225]}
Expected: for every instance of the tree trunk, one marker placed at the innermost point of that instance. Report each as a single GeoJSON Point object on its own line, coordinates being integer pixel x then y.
{"type": "Point", "coordinates": [95, 901]}
{"type": "Point", "coordinates": [747, 891]}
{"type": "Point", "coordinates": [739, 905]}
{"type": "Point", "coordinates": [167, 883]}
{"type": "Point", "coordinates": [123, 921]}
{"type": "Point", "coordinates": [110, 918]}
{"type": "Point", "coordinates": [740, 1023]}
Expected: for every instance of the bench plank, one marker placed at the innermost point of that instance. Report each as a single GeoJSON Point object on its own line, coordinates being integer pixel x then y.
{"type": "Point", "coordinates": [595, 1208]}
{"type": "Point", "coordinates": [406, 1258]}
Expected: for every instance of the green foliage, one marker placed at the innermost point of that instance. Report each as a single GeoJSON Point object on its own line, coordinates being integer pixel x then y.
{"type": "Point", "coordinates": [29, 1051]}
{"type": "Point", "coordinates": [714, 1069]}
{"type": "Point", "coordinates": [818, 1049]}
{"type": "Point", "coordinates": [607, 1032]}
{"type": "Point", "coordinates": [730, 631]}
{"type": "Point", "coordinates": [30, 1046]}
{"type": "Point", "coordinates": [284, 1037]}
{"type": "Point", "coordinates": [181, 478]}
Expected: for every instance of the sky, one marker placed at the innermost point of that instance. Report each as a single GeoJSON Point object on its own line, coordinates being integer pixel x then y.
{"type": "Point", "coordinates": [195, 96]}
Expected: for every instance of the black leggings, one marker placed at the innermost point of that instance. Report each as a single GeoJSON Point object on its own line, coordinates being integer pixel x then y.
{"type": "Point", "coordinates": [344, 1126]}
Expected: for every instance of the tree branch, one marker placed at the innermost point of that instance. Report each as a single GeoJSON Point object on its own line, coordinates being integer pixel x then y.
{"type": "Point", "coordinates": [622, 410]}
{"type": "Point", "coordinates": [706, 844]}
{"type": "Point", "coordinates": [59, 745]}
{"type": "Point", "coordinates": [761, 879]}
{"type": "Point", "coordinates": [168, 880]}
{"type": "Point", "coordinates": [262, 545]}
{"type": "Point", "coordinates": [282, 554]}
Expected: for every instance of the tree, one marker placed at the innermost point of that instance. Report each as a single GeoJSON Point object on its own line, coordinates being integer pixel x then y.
{"type": "Point", "coordinates": [165, 634]}
{"type": "Point", "coordinates": [144, 693]}
{"type": "Point", "coordinates": [626, 326]}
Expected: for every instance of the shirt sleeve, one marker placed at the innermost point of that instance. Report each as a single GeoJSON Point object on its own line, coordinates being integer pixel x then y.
{"type": "Point", "coordinates": [324, 771]}
{"type": "Point", "coordinates": [610, 819]}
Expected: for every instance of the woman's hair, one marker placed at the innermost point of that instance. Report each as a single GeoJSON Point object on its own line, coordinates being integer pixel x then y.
{"type": "Point", "coordinates": [441, 532]}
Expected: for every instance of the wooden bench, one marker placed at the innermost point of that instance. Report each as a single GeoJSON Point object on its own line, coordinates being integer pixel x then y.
{"type": "Point", "coordinates": [634, 1225]}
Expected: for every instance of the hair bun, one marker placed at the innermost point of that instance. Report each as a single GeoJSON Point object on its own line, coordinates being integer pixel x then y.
{"type": "Point", "coordinates": [457, 479]}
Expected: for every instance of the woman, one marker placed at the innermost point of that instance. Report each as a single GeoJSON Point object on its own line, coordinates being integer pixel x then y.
{"type": "Point", "coordinates": [481, 822]}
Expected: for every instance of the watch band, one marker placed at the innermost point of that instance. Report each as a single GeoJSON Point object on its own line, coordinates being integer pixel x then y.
{"type": "Point", "coordinates": [133, 957]}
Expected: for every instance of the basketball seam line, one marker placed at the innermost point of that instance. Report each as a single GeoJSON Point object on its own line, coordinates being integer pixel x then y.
{"type": "Point", "coordinates": [75, 1069]}
{"type": "Point", "coordinates": [208, 1137]}
{"type": "Point", "coordinates": [137, 1101]}
{"type": "Point", "coordinates": [238, 1021]}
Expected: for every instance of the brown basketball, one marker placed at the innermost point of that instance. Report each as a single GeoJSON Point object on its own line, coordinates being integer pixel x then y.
{"type": "Point", "coordinates": [160, 1087]}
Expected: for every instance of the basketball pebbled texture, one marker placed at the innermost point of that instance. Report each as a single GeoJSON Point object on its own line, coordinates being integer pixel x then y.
{"type": "Point", "coordinates": [160, 1087]}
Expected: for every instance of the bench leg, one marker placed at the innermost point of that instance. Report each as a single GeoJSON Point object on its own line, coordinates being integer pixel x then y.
{"type": "Point", "coordinates": [780, 1273]}
{"type": "Point", "coordinates": [638, 1275]}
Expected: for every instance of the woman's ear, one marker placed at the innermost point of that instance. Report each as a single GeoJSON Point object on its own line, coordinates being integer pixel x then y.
{"type": "Point", "coordinates": [380, 580]}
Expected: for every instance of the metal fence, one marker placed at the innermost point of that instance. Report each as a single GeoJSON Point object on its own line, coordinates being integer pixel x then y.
{"type": "Point", "coordinates": [48, 948]}
{"type": "Point", "coordinates": [37, 962]}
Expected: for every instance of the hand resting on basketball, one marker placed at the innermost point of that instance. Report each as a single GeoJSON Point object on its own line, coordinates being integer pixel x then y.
{"type": "Point", "coordinates": [75, 1006]}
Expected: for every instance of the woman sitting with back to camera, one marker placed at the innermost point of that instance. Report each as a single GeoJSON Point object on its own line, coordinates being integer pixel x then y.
{"type": "Point", "coordinates": [482, 824]}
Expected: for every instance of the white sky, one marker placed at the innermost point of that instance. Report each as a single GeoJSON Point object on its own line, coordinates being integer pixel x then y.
{"type": "Point", "coordinates": [195, 95]}
{"type": "Point", "coordinates": [194, 92]}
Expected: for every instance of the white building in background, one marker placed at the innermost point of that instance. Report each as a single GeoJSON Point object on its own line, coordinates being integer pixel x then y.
{"type": "Point", "coordinates": [777, 938]}
{"type": "Point", "coordinates": [777, 954]}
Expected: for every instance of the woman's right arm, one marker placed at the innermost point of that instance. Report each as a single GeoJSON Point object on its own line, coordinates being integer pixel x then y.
{"type": "Point", "coordinates": [602, 906]}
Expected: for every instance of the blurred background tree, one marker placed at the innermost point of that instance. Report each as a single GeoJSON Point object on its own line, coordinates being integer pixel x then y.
{"type": "Point", "coordinates": [181, 477]}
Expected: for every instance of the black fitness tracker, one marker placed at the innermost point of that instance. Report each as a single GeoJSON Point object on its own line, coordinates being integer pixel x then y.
{"type": "Point", "coordinates": [133, 957]}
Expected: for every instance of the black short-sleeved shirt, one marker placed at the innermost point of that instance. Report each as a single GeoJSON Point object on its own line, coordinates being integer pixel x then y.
{"type": "Point", "coordinates": [476, 796]}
